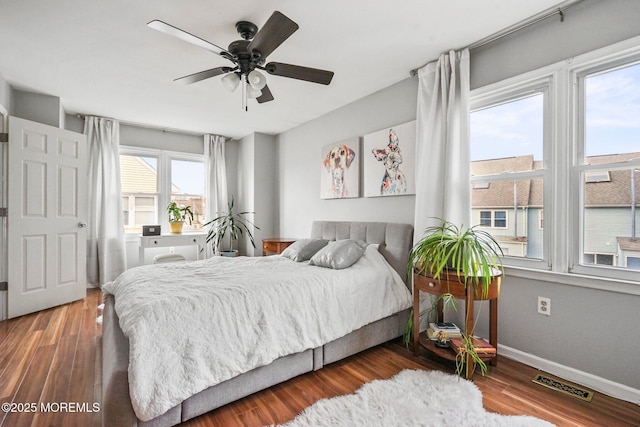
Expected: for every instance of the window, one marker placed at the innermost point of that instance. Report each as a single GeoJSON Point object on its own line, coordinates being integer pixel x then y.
{"type": "Point", "coordinates": [151, 179]}
{"type": "Point", "coordinates": [507, 170]}
{"type": "Point", "coordinates": [139, 185]}
{"type": "Point", "coordinates": [494, 219]}
{"type": "Point", "coordinates": [607, 166]}
{"type": "Point", "coordinates": [557, 150]}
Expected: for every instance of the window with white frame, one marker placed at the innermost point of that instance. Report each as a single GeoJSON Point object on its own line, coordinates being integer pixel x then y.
{"type": "Point", "coordinates": [507, 138]}
{"type": "Point", "coordinates": [493, 219]}
{"type": "Point", "coordinates": [559, 149]}
{"type": "Point", "coordinates": [606, 174]}
{"type": "Point", "coordinates": [151, 179]}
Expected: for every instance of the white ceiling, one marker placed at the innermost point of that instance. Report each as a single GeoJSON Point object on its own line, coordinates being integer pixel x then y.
{"type": "Point", "coordinates": [100, 58]}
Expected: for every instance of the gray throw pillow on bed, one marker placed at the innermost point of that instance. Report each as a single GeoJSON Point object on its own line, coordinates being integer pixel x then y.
{"type": "Point", "coordinates": [304, 249]}
{"type": "Point", "coordinates": [339, 254]}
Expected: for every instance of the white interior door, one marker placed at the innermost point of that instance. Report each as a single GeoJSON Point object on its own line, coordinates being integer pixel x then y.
{"type": "Point", "coordinates": [46, 220]}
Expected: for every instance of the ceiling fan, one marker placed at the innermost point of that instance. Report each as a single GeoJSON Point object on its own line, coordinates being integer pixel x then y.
{"type": "Point", "coordinates": [248, 56]}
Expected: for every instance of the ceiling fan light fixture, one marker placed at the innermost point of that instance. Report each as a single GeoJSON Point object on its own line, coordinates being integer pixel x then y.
{"type": "Point", "coordinates": [231, 81]}
{"type": "Point", "coordinates": [257, 80]}
{"type": "Point", "coordinates": [252, 92]}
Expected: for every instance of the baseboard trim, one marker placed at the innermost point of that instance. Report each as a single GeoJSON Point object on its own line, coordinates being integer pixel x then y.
{"type": "Point", "coordinates": [602, 385]}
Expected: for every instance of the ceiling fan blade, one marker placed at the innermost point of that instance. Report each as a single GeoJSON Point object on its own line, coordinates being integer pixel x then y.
{"type": "Point", "coordinates": [188, 37]}
{"type": "Point", "coordinates": [196, 77]}
{"type": "Point", "coordinates": [313, 75]}
{"type": "Point", "coordinates": [266, 95]}
{"type": "Point", "coordinates": [273, 33]}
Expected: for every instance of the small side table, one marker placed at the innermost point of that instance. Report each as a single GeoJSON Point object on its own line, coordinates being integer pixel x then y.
{"type": "Point", "coordinates": [450, 283]}
{"type": "Point", "coordinates": [275, 245]}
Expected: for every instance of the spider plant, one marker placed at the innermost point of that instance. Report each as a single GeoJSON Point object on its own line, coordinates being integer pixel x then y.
{"type": "Point", "coordinates": [472, 254]}
{"type": "Point", "coordinates": [467, 359]}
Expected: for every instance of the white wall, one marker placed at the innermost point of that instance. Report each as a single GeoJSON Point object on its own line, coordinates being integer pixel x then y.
{"type": "Point", "coordinates": [577, 339]}
{"type": "Point", "coordinates": [299, 158]}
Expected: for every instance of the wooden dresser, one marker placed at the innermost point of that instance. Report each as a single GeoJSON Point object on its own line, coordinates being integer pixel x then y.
{"type": "Point", "coordinates": [275, 245]}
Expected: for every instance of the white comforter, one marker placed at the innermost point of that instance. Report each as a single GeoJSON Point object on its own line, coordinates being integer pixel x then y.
{"type": "Point", "coordinates": [196, 324]}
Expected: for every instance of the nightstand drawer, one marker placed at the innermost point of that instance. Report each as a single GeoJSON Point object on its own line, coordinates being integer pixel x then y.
{"type": "Point", "coordinates": [275, 245]}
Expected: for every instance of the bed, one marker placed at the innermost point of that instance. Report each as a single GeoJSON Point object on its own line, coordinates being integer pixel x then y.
{"type": "Point", "coordinates": [390, 241]}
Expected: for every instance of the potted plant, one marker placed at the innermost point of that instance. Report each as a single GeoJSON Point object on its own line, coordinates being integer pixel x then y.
{"type": "Point", "coordinates": [458, 258]}
{"type": "Point", "coordinates": [233, 223]}
{"type": "Point", "coordinates": [177, 216]}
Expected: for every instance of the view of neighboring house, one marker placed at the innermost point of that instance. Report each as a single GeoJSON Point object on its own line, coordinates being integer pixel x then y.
{"type": "Point", "coordinates": [512, 211]}
{"type": "Point", "coordinates": [139, 183]}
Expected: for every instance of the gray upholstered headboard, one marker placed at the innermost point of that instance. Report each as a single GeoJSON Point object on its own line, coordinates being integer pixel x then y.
{"type": "Point", "coordinates": [395, 239]}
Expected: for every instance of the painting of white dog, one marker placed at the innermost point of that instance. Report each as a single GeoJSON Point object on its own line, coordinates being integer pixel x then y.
{"type": "Point", "coordinates": [339, 170]}
{"type": "Point", "coordinates": [389, 161]}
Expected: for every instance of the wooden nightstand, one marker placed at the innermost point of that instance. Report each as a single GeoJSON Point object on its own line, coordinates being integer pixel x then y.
{"type": "Point", "coordinates": [275, 245]}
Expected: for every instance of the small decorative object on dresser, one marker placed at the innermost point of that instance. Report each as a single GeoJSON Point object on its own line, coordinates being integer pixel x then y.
{"type": "Point", "coordinates": [275, 245]}
{"type": "Point", "coordinates": [177, 216]}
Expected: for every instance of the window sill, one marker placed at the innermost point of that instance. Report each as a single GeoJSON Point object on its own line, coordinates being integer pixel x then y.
{"type": "Point", "coordinates": [573, 279]}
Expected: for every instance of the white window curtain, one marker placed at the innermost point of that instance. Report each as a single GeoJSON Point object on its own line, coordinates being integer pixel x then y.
{"type": "Point", "coordinates": [217, 198]}
{"type": "Point", "coordinates": [442, 142]}
{"type": "Point", "coordinates": [105, 237]}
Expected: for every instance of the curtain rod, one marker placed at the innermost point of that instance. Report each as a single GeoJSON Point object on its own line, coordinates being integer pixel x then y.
{"type": "Point", "coordinates": [514, 28]}
{"type": "Point", "coordinates": [152, 127]}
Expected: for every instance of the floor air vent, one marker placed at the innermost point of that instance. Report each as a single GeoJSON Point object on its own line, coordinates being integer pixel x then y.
{"type": "Point", "coordinates": [562, 387]}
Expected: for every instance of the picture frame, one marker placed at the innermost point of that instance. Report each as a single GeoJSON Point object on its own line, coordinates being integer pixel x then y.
{"type": "Point", "coordinates": [389, 161]}
{"type": "Point", "coordinates": [340, 170]}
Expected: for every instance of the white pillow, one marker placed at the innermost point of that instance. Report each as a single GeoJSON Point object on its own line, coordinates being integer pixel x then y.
{"type": "Point", "coordinates": [339, 254]}
{"type": "Point", "coordinates": [304, 249]}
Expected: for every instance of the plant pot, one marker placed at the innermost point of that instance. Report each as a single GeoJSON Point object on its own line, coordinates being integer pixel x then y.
{"type": "Point", "coordinates": [232, 253]}
{"type": "Point", "coordinates": [176, 227]}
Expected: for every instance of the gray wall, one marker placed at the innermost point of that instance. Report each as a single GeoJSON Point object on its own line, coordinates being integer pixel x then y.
{"type": "Point", "coordinates": [5, 93]}
{"type": "Point", "coordinates": [299, 156]}
{"type": "Point", "coordinates": [255, 187]}
{"type": "Point", "coordinates": [578, 333]}
{"type": "Point", "coordinates": [37, 107]}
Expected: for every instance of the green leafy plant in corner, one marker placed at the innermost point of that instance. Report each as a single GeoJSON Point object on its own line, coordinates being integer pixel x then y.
{"type": "Point", "coordinates": [231, 222]}
{"type": "Point", "coordinates": [179, 214]}
{"type": "Point", "coordinates": [474, 256]}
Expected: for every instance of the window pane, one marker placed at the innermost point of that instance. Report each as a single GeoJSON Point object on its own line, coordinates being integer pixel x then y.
{"type": "Point", "coordinates": [187, 177]}
{"type": "Point", "coordinates": [610, 217]}
{"type": "Point", "coordinates": [612, 108]}
{"type": "Point", "coordinates": [510, 130]}
{"type": "Point", "coordinates": [516, 212]}
{"type": "Point", "coordinates": [485, 218]}
{"type": "Point", "coordinates": [187, 189]}
{"type": "Point", "coordinates": [138, 174]}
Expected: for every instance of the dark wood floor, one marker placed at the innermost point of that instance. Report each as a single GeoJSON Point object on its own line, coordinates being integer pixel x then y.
{"type": "Point", "coordinates": [53, 357]}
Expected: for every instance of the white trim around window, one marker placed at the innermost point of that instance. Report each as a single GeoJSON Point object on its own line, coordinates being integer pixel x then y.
{"type": "Point", "coordinates": [563, 167]}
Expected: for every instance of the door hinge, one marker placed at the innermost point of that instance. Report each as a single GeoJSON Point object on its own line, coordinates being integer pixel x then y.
{"type": "Point", "coordinates": [4, 212]}
{"type": "Point", "coordinates": [4, 286]}
{"type": "Point", "coordinates": [4, 137]}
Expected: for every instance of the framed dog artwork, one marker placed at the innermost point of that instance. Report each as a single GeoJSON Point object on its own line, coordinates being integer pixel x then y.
{"type": "Point", "coordinates": [389, 161]}
{"type": "Point", "coordinates": [339, 170]}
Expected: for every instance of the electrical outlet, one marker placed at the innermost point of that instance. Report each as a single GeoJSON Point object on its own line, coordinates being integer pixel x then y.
{"type": "Point", "coordinates": [172, 250]}
{"type": "Point", "coordinates": [544, 306]}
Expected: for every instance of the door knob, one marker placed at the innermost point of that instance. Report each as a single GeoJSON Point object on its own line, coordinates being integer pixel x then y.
{"type": "Point", "coordinates": [82, 224]}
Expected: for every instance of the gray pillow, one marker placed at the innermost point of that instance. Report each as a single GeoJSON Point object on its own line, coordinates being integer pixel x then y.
{"type": "Point", "coordinates": [302, 250]}
{"type": "Point", "coordinates": [339, 254]}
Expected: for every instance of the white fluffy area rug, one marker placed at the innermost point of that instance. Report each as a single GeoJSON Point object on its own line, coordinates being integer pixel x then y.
{"type": "Point", "coordinates": [410, 398]}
